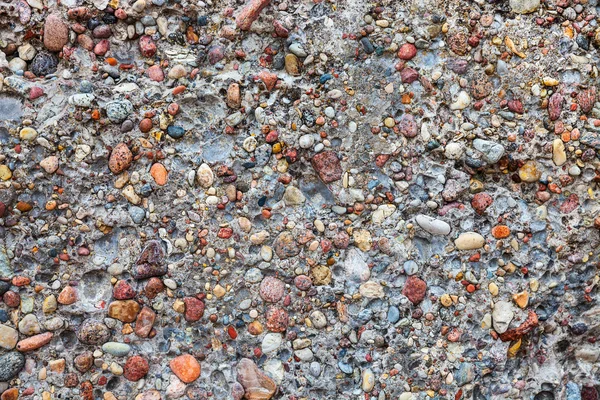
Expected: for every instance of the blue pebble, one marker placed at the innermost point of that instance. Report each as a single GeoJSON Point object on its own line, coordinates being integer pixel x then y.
{"type": "Point", "coordinates": [411, 267]}
{"type": "Point", "coordinates": [393, 314]}
{"type": "Point", "coordinates": [573, 392]}
{"type": "Point", "coordinates": [465, 374]}
{"type": "Point", "coordinates": [203, 20]}
{"type": "Point", "coordinates": [175, 132]}
{"type": "Point", "coordinates": [346, 368]}
{"type": "Point", "coordinates": [325, 77]}
{"type": "Point", "coordinates": [137, 214]}
{"type": "Point", "coordinates": [86, 87]}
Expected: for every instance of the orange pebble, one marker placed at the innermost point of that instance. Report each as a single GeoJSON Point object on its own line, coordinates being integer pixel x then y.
{"type": "Point", "coordinates": [112, 61]}
{"type": "Point", "coordinates": [96, 115]}
{"type": "Point", "coordinates": [159, 173]}
{"type": "Point", "coordinates": [67, 296]}
{"type": "Point", "coordinates": [186, 367]}
{"type": "Point", "coordinates": [470, 288]}
{"type": "Point", "coordinates": [565, 136]}
{"type": "Point", "coordinates": [34, 342]}
{"type": "Point", "coordinates": [575, 134]}
{"type": "Point", "coordinates": [21, 281]}
{"type": "Point", "coordinates": [500, 231]}
{"type": "Point", "coordinates": [179, 89]}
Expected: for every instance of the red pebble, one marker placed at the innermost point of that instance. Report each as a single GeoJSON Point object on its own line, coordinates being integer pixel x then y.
{"type": "Point", "coordinates": [407, 51]}
{"type": "Point", "coordinates": [194, 309]}
{"type": "Point", "coordinates": [35, 92]}
{"type": "Point", "coordinates": [135, 368]}
{"type": "Point", "coordinates": [232, 332]}
{"type": "Point", "coordinates": [123, 291]}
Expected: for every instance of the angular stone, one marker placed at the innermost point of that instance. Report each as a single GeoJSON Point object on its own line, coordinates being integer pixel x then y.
{"type": "Point", "coordinates": [194, 309]}
{"type": "Point", "coordinates": [492, 151]}
{"type": "Point", "coordinates": [144, 322]}
{"type": "Point", "coordinates": [67, 296]}
{"type": "Point", "coordinates": [135, 368]}
{"type": "Point", "coordinates": [371, 290]}
{"type": "Point", "coordinates": [327, 166]}
{"type": "Point", "coordinates": [124, 310]}
{"type": "Point", "coordinates": [285, 245]}
{"type": "Point", "coordinates": [502, 315]}
{"type": "Point", "coordinates": [257, 385]}
{"type": "Point", "coordinates": [414, 289]}
{"type": "Point", "coordinates": [250, 13]}
{"type": "Point", "coordinates": [150, 262]}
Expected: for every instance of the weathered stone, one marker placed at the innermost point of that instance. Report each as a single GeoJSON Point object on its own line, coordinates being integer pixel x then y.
{"type": "Point", "coordinates": [257, 385]}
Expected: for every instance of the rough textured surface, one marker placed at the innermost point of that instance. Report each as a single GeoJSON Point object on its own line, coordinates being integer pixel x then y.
{"type": "Point", "coordinates": [299, 199]}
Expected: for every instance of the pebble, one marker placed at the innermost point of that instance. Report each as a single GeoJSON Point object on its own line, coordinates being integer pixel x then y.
{"type": "Point", "coordinates": [469, 241]}
{"type": "Point", "coordinates": [432, 225]}
{"type": "Point", "coordinates": [34, 342]}
{"type": "Point", "coordinates": [50, 164]}
{"type": "Point", "coordinates": [186, 367]}
{"type": "Point", "coordinates": [119, 110]}
{"type": "Point", "coordinates": [136, 367]}
{"type": "Point", "coordinates": [11, 364]}
{"type": "Point", "coordinates": [8, 337]}
{"type": "Point", "coordinates": [524, 6]}
{"type": "Point", "coordinates": [256, 385]}
{"type": "Point", "coordinates": [205, 176]}
{"type": "Point", "coordinates": [463, 100]}
{"type": "Point", "coordinates": [56, 32]}
{"type": "Point", "coordinates": [529, 172]}
{"type": "Point", "coordinates": [502, 315]}
{"type": "Point", "coordinates": [116, 349]}
{"type": "Point", "coordinates": [93, 332]}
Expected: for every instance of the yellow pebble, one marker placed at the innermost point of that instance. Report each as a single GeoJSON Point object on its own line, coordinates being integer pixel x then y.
{"type": "Point", "coordinates": [512, 350]}
{"type": "Point", "coordinates": [521, 299]}
{"type": "Point", "coordinates": [534, 285]}
{"type": "Point", "coordinates": [389, 122]}
{"type": "Point", "coordinates": [493, 288]}
{"type": "Point", "coordinates": [28, 134]}
{"type": "Point", "coordinates": [5, 173]}
{"type": "Point", "coordinates": [548, 81]}
{"type": "Point", "coordinates": [446, 300]}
